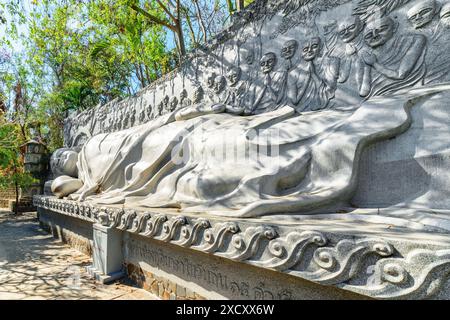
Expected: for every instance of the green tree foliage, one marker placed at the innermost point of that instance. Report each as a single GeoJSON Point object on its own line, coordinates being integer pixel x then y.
{"type": "Point", "coordinates": [12, 171]}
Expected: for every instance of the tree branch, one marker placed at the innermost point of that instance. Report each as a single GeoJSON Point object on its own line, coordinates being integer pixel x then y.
{"type": "Point", "coordinates": [153, 18]}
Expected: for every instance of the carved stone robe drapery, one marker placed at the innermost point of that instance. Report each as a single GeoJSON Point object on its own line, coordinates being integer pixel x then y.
{"type": "Point", "coordinates": [312, 162]}
{"type": "Point", "coordinates": [405, 52]}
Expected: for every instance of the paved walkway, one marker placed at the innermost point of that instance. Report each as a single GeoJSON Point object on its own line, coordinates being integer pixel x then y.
{"type": "Point", "coordinates": [33, 265]}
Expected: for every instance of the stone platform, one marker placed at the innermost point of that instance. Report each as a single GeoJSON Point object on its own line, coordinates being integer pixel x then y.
{"type": "Point", "coordinates": [192, 256]}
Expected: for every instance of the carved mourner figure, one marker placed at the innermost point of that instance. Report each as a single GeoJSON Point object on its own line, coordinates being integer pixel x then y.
{"type": "Point", "coordinates": [184, 100]}
{"type": "Point", "coordinates": [350, 32]}
{"type": "Point", "coordinates": [312, 85]}
{"type": "Point", "coordinates": [437, 60]}
{"type": "Point", "coordinates": [398, 59]}
{"type": "Point", "coordinates": [236, 90]}
{"type": "Point", "coordinates": [423, 13]}
{"type": "Point", "coordinates": [265, 96]}
{"type": "Point", "coordinates": [173, 104]}
{"type": "Point", "coordinates": [198, 94]}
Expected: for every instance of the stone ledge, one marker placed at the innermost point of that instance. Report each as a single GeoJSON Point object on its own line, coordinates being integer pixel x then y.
{"type": "Point", "coordinates": [380, 262]}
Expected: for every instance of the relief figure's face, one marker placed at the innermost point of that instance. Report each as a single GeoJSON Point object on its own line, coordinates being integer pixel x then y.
{"type": "Point", "coordinates": [210, 80]}
{"type": "Point", "coordinates": [445, 14]}
{"type": "Point", "coordinates": [311, 49]}
{"type": "Point", "coordinates": [422, 13]}
{"type": "Point", "coordinates": [219, 84]}
{"type": "Point", "coordinates": [183, 94]}
{"type": "Point", "coordinates": [173, 103]}
{"type": "Point", "coordinates": [289, 49]}
{"type": "Point", "coordinates": [233, 76]}
{"type": "Point", "coordinates": [268, 62]}
{"type": "Point", "coordinates": [378, 32]}
{"type": "Point", "coordinates": [249, 57]}
{"type": "Point", "coordinates": [349, 29]}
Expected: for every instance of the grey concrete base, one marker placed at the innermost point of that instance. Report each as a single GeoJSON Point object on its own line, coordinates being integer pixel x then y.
{"type": "Point", "coordinates": [102, 278]}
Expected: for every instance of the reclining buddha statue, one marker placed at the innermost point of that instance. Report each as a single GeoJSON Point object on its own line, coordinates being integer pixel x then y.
{"type": "Point", "coordinates": [287, 141]}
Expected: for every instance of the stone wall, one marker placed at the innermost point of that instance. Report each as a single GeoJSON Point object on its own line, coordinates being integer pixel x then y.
{"type": "Point", "coordinates": [5, 196]}
{"type": "Point", "coordinates": [74, 232]}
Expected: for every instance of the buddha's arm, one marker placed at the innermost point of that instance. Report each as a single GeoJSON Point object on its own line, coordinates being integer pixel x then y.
{"type": "Point", "coordinates": [198, 110]}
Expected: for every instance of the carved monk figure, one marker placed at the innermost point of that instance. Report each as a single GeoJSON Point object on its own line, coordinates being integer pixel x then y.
{"type": "Point", "coordinates": [265, 97]}
{"type": "Point", "coordinates": [219, 95]}
{"type": "Point", "coordinates": [437, 61]}
{"type": "Point", "coordinates": [198, 94]}
{"type": "Point", "coordinates": [422, 13]}
{"type": "Point", "coordinates": [311, 85]}
{"type": "Point", "coordinates": [350, 32]}
{"type": "Point", "coordinates": [173, 104]}
{"type": "Point", "coordinates": [184, 100]}
{"type": "Point", "coordinates": [398, 60]}
{"type": "Point", "coordinates": [236, 91]}
{"type": "Point", "coordinates": [288, 52]}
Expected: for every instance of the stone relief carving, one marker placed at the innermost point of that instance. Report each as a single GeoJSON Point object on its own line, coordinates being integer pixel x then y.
{"type": "Point", "coordinates": [415, 274]}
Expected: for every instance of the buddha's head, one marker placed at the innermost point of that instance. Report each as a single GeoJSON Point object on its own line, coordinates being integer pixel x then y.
{"type": "Point", "coordinates": [379, 31]}
{"type": "Point", "coordinates": [422, 13]}
{"type": "Point", "coordinates": [349, 29]}
{"type": "Point", "coordinates": [311, 49]}
{"type": "Point", "coordinates": [64, 162]}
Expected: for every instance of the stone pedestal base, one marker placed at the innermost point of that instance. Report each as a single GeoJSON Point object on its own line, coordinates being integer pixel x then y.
{"type": "Point", "coordinates": [107, 254]}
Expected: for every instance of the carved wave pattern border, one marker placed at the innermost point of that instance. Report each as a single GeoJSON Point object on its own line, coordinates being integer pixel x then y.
{"type": "Point", "coordinates": [368, 266]}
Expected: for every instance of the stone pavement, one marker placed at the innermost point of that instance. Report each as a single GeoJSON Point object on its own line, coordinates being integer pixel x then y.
{"type": "Point", "coordinates": [33, 265]}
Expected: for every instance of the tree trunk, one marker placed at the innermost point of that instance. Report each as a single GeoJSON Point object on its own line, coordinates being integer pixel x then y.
{"type": "Point", "coordinates": [16, 185]}
{"type": "Point", "coordinates": [239, 5]}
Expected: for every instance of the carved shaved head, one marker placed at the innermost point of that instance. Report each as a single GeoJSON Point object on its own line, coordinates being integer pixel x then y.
{"type": "Point", "coordinates": [422, 13]}
{"type": "Point", "coordinates": [268, 62]}
{"type": "Point", "coordinates": [379, 31]}
{"type": "Point", "coordinates": [289, 48]}
{"type": "Point", "coordinates": [219, 84]}
{"type": "Point", "coordinates": [311, 48]}
{"type": "Point", "coordinates": [350, 28]}
{"type": "Point", "coordinates": [234, 75]}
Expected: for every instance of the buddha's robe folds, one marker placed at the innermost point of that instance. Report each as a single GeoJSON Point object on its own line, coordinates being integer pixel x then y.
{"type": "Point", "coordinates": [221, 164]}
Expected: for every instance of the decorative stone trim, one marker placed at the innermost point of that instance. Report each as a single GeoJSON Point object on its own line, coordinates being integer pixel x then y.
{"type": "Point", "coordinates": [310, 255]}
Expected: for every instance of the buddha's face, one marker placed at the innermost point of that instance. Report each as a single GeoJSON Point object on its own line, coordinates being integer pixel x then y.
{"type": "Point", "coordinates": [445, 14]}
{"type": "Point", "coordinates": [219, 84]}
{"type": "Point", "coordinates": [64, 162]}
{"type": "Point", "coordinates": [311, 49]}
{"type": "Point", "coordinates": [379, 31]}
{"type": "Point", "coordinates": [268, 62]}
{"type": "Point", "coordinates": [234, 76]}
{"type": "Point", "coordinates": [422, 13]}
{"type": "Point", "coordinates": [348, 30]}
{"type": "Point", "coordinates": [289, 48]}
